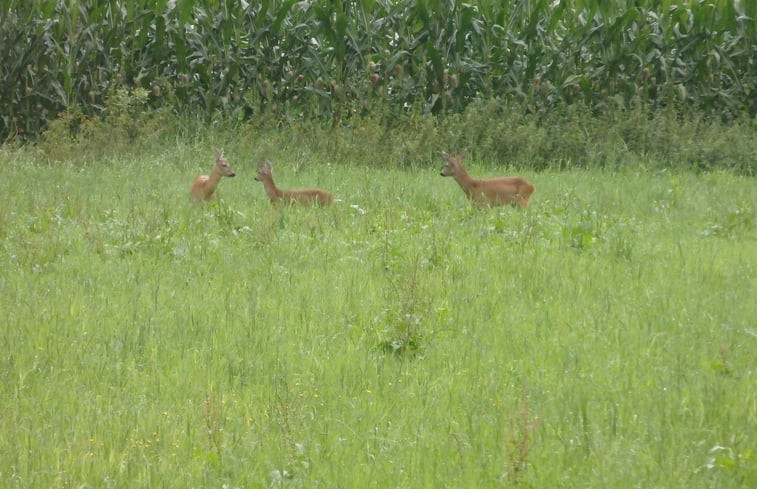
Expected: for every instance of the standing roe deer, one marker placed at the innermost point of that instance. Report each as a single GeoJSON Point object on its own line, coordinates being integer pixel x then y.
{"type": "Point", "coordinates": [203, 186]}
{"type": "Point", "coordinates": [306, 196]}
{"type": "Point", "coordinates": [487, 191]}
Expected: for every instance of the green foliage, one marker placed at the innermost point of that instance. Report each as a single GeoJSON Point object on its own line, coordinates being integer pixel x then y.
{"type": "Point", "coordinates": [126, 126]}
{"type": "Point", "coordinates": [497, 132]}
{"type": "Point", "coordinates": [287, 60]}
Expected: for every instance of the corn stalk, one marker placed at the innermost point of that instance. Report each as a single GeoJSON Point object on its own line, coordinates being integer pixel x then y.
{"type": "Point", "coordinates": [335, 58]}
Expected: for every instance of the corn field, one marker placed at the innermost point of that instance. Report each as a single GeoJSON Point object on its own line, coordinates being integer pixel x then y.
{"type": "Point", "coordinates": [332, 59]}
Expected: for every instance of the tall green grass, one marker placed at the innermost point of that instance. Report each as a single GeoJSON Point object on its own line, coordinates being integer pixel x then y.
{"type": "Point", "coordinates": [604, 338]}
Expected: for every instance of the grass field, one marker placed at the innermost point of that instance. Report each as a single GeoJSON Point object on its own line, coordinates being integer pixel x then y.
{"type": "Point", "coordinates": [605, 338]}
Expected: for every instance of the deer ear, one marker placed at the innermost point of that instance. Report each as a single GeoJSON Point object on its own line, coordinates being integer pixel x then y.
{"type": "Point", "coordinates": [445, 154]}
{"type": "Point", "coordinates": [219, 154]}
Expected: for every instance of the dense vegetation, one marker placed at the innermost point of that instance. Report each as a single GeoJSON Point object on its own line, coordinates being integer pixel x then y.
{"type": "Point", "coordinates": [336, 59]}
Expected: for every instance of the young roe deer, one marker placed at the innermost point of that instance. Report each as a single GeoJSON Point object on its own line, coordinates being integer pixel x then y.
{"type": "Point", "coordinates": [203, 186]}
{"type": "Point", "coordinates": [308, 196]}
{"type": "Point", "coordinates": [487, 191]}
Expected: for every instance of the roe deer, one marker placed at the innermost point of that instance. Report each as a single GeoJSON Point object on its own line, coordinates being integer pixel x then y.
{"type": "Point", "coordinates": [306, 196]}
{"type": "Point", "coordinates": [487, 191]}
{"type": "Point", "coordinates": [203, 186]}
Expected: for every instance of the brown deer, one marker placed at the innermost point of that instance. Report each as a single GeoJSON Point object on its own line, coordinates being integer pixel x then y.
{"type": "Point", "coordinates": [308, 196]}
{"type": "Point", "coordinates": [204, 186]}
{"type": "Point", "coordinates": [487, 191]}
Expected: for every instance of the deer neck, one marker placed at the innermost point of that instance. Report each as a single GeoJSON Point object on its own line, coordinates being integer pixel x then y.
{"type": "Point", "coordinates": [463, 179]}
{"type": "Point", "coordinates": [214, 178]}
{"type": "Point", "coordinates": [270, 188]}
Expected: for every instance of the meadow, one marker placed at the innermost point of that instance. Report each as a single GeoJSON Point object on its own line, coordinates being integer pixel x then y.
{"type": "Point", "coordinates": [605, 337]}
